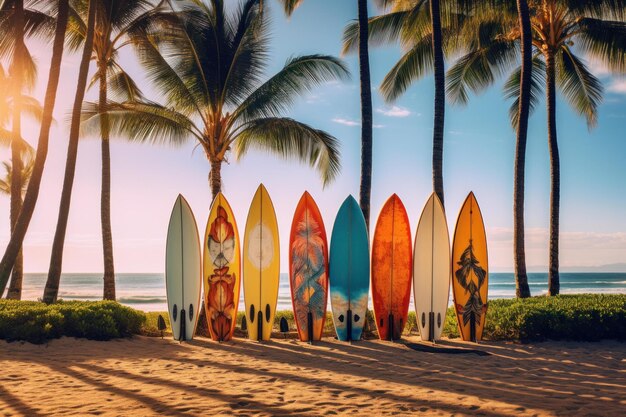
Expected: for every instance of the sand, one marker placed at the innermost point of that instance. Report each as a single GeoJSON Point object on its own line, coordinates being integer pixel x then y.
{"type": "Point", "coordinates": [150, 376]}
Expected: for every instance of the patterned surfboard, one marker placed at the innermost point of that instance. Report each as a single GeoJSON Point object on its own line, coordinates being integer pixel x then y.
{"type": "Point", "coordinates": [308, 269]}
{"type": "Point", "coordinates": [222, 270]}
{"type": "Point", "coordinates": [470, 270]}
{"type": "Point", "coordinates": [349, 271]}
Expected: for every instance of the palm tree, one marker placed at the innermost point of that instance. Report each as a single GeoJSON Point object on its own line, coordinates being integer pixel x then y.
{"type": "Point", "coordinates": [115, 20]}
{"type": "Point", "coordinates": [208, 66]}
{"type": "Point", "coordinates": [56, 259]}
{"type": "Point", "coordinates": [561, 31]}
{"type": "Point", "coordinates": [522, 290]}
{"type": "Point", "coordinates": [426, 32]}
{"type": "Point", "coordinates": [31, 107]}
{"type": "Point", "coordinates": [366, 104]}
{"type": "Point", "coordinates": [35, 22]}
{"type": "Point", "coordinates": [17, 23]}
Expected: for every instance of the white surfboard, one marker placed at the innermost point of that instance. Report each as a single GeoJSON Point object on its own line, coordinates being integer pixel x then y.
{"type": "Point", "coordinates": [431, 270]}
{"type": "Point", "coordinates": [183, 271]}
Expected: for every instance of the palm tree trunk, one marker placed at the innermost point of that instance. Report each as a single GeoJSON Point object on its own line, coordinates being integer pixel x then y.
{"type": "Point", "coordinates": [16, 138]}
{"type": "Point", "coordinates": [56, 259]}
{"type": "Point", "coordinates": [366, 114]}
{"type": "Point", "coordinates": [105, 196]}
{"type": "Point", "coordinates": [440, 99]}
{"type": "Point", "coordinates": [522, 290]}
{"type": "Point", "coordinates": [14, 246]}
{"type": "Point", "coordinates": [555, 174]}
{"type": "Point", "coordinates": [215, 178]}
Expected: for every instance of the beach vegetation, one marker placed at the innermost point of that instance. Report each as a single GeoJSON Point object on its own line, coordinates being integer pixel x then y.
{"type": "Point", "coordinates": [37, 322]}
{"type": "Point", "coordinates": [580, 317]}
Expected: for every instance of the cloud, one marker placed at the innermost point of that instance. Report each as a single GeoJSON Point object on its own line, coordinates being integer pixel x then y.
{"type": "Point", "coordinates": [375, 126]}
{"type": "Point", "coordinates": [394, 111]}
{"type": "Point", "coordinates": [346, 122]}
{"type": "Point", "coordinates": [617, 86]}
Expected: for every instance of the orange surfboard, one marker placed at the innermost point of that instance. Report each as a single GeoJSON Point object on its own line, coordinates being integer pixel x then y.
{"type": "Point", "coordinates": [392, 259]}
{"type": "Point", "coordinates": [308, 269]}
{"type": "Point", "coordinates": [470, 271]}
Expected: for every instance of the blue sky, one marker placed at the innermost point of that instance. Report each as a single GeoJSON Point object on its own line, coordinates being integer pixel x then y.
{"type": "Point", "coordinates": [478, 156]}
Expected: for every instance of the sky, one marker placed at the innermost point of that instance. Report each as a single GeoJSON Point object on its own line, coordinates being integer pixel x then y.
{"type": "Point", "coordinates": [478, 156]}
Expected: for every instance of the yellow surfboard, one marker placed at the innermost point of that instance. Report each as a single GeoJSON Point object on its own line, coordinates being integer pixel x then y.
{"type": "Point", "coordinates": [470, 270]}
{"type": "Point", "coordinates": [222, 270]}
{"type": "Point", "coordinates": [261, 266]}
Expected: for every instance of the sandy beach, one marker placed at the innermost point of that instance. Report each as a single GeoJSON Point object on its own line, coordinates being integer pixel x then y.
{"type": "Point", "coordinates": [150, 376]}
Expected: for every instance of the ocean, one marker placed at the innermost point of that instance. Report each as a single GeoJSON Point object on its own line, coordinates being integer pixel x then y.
{"type": "Point", "coordinates": [147, 291]}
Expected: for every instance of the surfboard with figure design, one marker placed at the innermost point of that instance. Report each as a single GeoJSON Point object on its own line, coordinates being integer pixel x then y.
{"type": "Point", "coordinates": [391, 269]}
{"type": "Point", "coordinates": [222, 270]}
{"type": "Point", "coordinates": [349, 271]}
{"type": "Point", "coordinates": [308, 269]}
{"type": "Point", "coordinates": [261, 266]}
{"type": "Point", "coordinates": [470, 270]}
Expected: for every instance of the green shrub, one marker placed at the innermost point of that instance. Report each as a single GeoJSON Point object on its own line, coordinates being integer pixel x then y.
{"type": "Point", "coordinates": [565, 317]}
{"type": "Point", "coordinates": [36, 322]}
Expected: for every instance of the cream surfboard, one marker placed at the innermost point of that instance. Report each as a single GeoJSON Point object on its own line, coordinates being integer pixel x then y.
{"type": "Point", "coordinates": [431, 270]}
{"type": "Point", "coordinates": [261, 266]}
{"type": "Point", "coordinates": [183, 271]}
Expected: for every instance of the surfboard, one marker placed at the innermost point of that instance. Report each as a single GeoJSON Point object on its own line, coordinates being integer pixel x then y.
{"type": "Point", "coordinates": [222, 270]}
{"type": "Point", "coordinates": [391, 269]}
{"type": "Point", "coordinates": [349, 271]}
{"type": "Point", "coordinates": [261, 266]}
{"type": "Point", "coordinates": [431, 270]}
{"type": "Point", "coordinates": [183, 271]}
{"type": "Point", "coordinates": [308, 269]}
{"type": "Point", "coordinates": [470, 271]}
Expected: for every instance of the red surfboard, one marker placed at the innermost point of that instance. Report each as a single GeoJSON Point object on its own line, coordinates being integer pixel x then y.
{"type": "Point", "coordinates": [308, 269]}
{"type": "Point", "coordinates": [391, 269]}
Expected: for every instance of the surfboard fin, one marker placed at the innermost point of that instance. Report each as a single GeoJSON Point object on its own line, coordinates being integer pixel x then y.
{"type": "Point", "coordinates": [183, 331]}
{"type": "Point", "coordinates": [309, 325]}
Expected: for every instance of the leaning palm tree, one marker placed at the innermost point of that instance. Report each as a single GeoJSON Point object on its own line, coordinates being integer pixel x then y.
{"type": "Point", "coordinates": [31, 107]}
{"type": "Point", "coordinates": [366, 103]}
{"type": "Point", "coordinates": [115, 20]}
{"type": "Point", "coordinates": [14, 246]}
{"type": "Point", "coordinates": [51, 289]}
{"type": "Point", "coordinates": [562, 30]}
{"type": "Point", "coordinates": [208, 65]}
{"type": "Point", "coordinates": [426, 32]}
{"type": "Point", "coordinates": [16, 24]}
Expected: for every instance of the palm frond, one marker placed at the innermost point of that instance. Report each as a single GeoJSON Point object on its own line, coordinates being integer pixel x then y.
{"type": "Point", "coordinates": [299, 76]}
{"type": "Point", "coordinates": [479, 69]}
{"type": "Point", "coordinates": [381, 29]}
{"type": "Point", "coordinates": [604, 41]}
{"type": "Point", "coordinates": [289, 6]}
{"type": "Point", "coordinates": [140, 122]}
{"type": "Point", "coordinates": [413, 65]}
{"type": "Point", "coordinates": [289, 138]}
{"type": "Point", "coordinates": [579, 86]}
{"type": "Point", "coordinates": [121, 85]}
{"type": "Point", "coordinates": [512, 89]}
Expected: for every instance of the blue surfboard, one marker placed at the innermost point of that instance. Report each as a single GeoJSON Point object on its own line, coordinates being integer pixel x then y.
{"type": "Point", "coordinates": [349, 271]}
